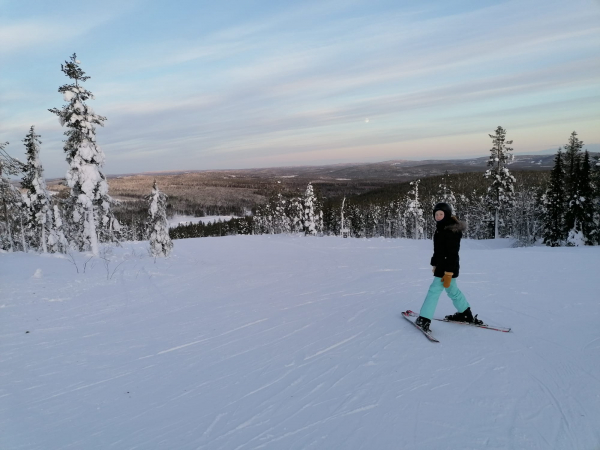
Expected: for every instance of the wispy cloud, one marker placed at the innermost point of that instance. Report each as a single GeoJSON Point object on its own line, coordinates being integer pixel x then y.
{"type": "Point", "coordinates": [298, 83]}
{"type": "Point", "coordinates": [39, 33]}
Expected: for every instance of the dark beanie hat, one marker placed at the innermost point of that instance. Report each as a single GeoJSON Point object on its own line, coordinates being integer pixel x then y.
{"type": "Point", "coordinates": [443, 207]}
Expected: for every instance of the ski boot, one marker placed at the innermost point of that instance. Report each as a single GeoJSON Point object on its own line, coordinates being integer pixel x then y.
{"type": "Point", "coordinates": [465, 316]}
{"type": "Point", "coordinates": [423, 323]}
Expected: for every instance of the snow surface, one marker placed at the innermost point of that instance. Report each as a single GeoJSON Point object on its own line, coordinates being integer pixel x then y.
{"type": "Point", "coordinates": [184, 220]}
{"type": "Point", "coordinates": [283, 342]}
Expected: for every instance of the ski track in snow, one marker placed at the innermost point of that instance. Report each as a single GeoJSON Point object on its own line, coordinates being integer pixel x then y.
{"type": "Point", "coordinates": [275, 342]}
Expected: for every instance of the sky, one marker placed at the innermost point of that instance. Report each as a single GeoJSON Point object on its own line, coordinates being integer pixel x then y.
{"type": "Point", "coordinates": [196, 85]}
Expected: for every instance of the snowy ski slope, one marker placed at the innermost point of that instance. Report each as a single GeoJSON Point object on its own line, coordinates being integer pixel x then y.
{"type": "Point", "coordinates": [282, 342]}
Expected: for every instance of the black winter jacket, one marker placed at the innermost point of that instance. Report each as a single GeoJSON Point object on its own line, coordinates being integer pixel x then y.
{"type": "Point", "coordinates": [446, 244]}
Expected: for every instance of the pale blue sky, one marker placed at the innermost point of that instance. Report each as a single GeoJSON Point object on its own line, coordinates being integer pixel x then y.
{"type": "Point", "coordinates": [237, 84]}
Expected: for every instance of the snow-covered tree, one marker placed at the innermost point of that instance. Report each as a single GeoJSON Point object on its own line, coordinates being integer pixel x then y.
{"type": "Point", "coordinates": [414, 212]}
{"type": "Point", "coordinates": [89, 205]}
{"type": "Point", "coordinates": [581, 206]}
{"type": "Point", "coordinates": [525, 215]}
{"type": "Point", "coordinates": [429, 225]}
{"type": "Point", "coordinates": [36, 198]}
{"type": "Point", "coordinates": [263, 219]}
{"type": "Point", "coordinates": [389, 219]}
{"type": "Point", "coordinates": [342, 225]}
{"type": "Point", "coordinates": [596, 187]}
{"type": "Point", "coordinates": [579, 214]}
{"type": "Point", "coordinates": [476, 213]}
{"type": "Point", "coordinates": [501, 192]}
{"type": "Point", "coordinates": [445, 193]}
{"type": "Point", "coordinates": [572, 160]}
{"type": "Point", "coordinates": [281, 221]}
{"type": "Point", "coordinates": [158, 225]}
{"type": "Point", "coordinates": [295, 212]}
{"type": "Point", "coordinates": [356, 218]}
{"type": "Point", "coordinates": [12, 237]}
{"type": "Point", "coordinates": [273, 217]}
{"type": "Point", "coordinates": [312, 216]}
{"type": "Point", "coordinates": [374, 220]}
{"type": "Point", "coordinates": [463, 204]}
{"type": "Point", "coordinates": [554, 202]}
{"type": "Point", "coordinates": [399, 209]}
{"type": "Point", "coordinates": [57, 242]}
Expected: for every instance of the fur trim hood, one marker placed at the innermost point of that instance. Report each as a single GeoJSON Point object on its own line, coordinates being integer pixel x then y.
{"type": "Point", "coordinates": [456, 225]}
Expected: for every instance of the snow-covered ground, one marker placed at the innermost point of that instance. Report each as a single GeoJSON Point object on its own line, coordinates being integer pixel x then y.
{"type": "Point", "coordinates": [184, 220]}
{"type": "Point", "coordinates": [282, 342]}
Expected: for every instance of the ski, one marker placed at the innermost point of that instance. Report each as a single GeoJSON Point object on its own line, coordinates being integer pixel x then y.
{"type": "Point", "coordinates": [481, 325]}
{"type": "Point", "coordinates": [408, 314]}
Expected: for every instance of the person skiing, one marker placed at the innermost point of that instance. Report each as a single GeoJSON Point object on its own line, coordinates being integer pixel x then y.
{"type": "Point", "coordinates": [445, 268]}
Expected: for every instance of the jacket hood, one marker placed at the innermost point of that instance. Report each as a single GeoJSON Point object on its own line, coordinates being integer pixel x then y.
{"type": "Point", "coordinates": [455, 225]}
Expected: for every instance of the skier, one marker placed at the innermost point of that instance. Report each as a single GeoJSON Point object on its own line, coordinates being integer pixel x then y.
{"type": "Point", "coordinates": [445, 266]}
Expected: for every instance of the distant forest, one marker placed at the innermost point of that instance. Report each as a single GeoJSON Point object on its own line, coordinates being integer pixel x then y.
{"type": "Point", "coordinates": [557, 207]}
{"type": "Point", "coordinates": [380, 212]}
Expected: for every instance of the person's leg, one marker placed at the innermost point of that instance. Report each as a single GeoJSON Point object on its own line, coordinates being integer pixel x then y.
{"type": "Point", "coordinates": [457, 297]}
{"type": "Point", "coordinates": [431, 300]}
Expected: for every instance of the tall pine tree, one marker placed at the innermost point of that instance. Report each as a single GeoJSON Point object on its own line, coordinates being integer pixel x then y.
{"type": "Point", "coordinates": [89, 204]}
{"type": "Point", "coordinates": [575, 186]}
{"type": "Point", "coordinates": [554, 202]}
{"type": "Point", "coordinates": [572, 159]}
{"type": "Point", "coordinates": [501, 193]}
{"type": "Point", "coordinates": [586, 200]}
{"type": "Point", "coordinates": [596, 196]}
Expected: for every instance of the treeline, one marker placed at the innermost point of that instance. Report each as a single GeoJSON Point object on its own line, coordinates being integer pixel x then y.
{"type": "Point", "coordinates": [133, 215]}
{"type": "Point", "coordinates": [557, 208]}
{"type": "Point", "coordinates": [280, 214]}
{"type": "Point", "coordinates": [376, 215]}
{"type": "Point", "coordinates": [234, 226]}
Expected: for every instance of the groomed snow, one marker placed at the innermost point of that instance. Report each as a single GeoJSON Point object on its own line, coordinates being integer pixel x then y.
{"type": "Point", "coordinates": [282, 342]}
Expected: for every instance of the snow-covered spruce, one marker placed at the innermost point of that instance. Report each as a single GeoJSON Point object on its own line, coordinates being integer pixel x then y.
{"type": "Point", "coordinates": [12, 232]}
{"type": "Point", "coordinates": [587, 198]}
{"type": "Point", "coordinates": [281, 221]}
{"type": "Point", "coordinates": [525, 217]}
{"type": "Point", "coordinates": [445, 193]}
{"type": "Point", "coordinates": [158, 225]}
{"type": "Point", "coordinates": [596, 183]}
{"type": "Point", "coordinates": [263, 219]}
{"type": "Point", "coordinates": [295, 212]}
{"type": "Point", "coordinates": [39, 224]}
{"type": "Point", "coordinates": [312, 215]}
{"type": "Point", "coordinates": [579, 192]}
{"type": "Point", "coordinates": [89, 205]}
{"type": "Point", "coordinates": [501, 193]}
{"type": "Point", "coordinates": [414, 212]}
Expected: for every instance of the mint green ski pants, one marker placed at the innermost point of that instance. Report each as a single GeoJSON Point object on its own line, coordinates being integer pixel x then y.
{"type": "Point", "coordinates": [433, 295]}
